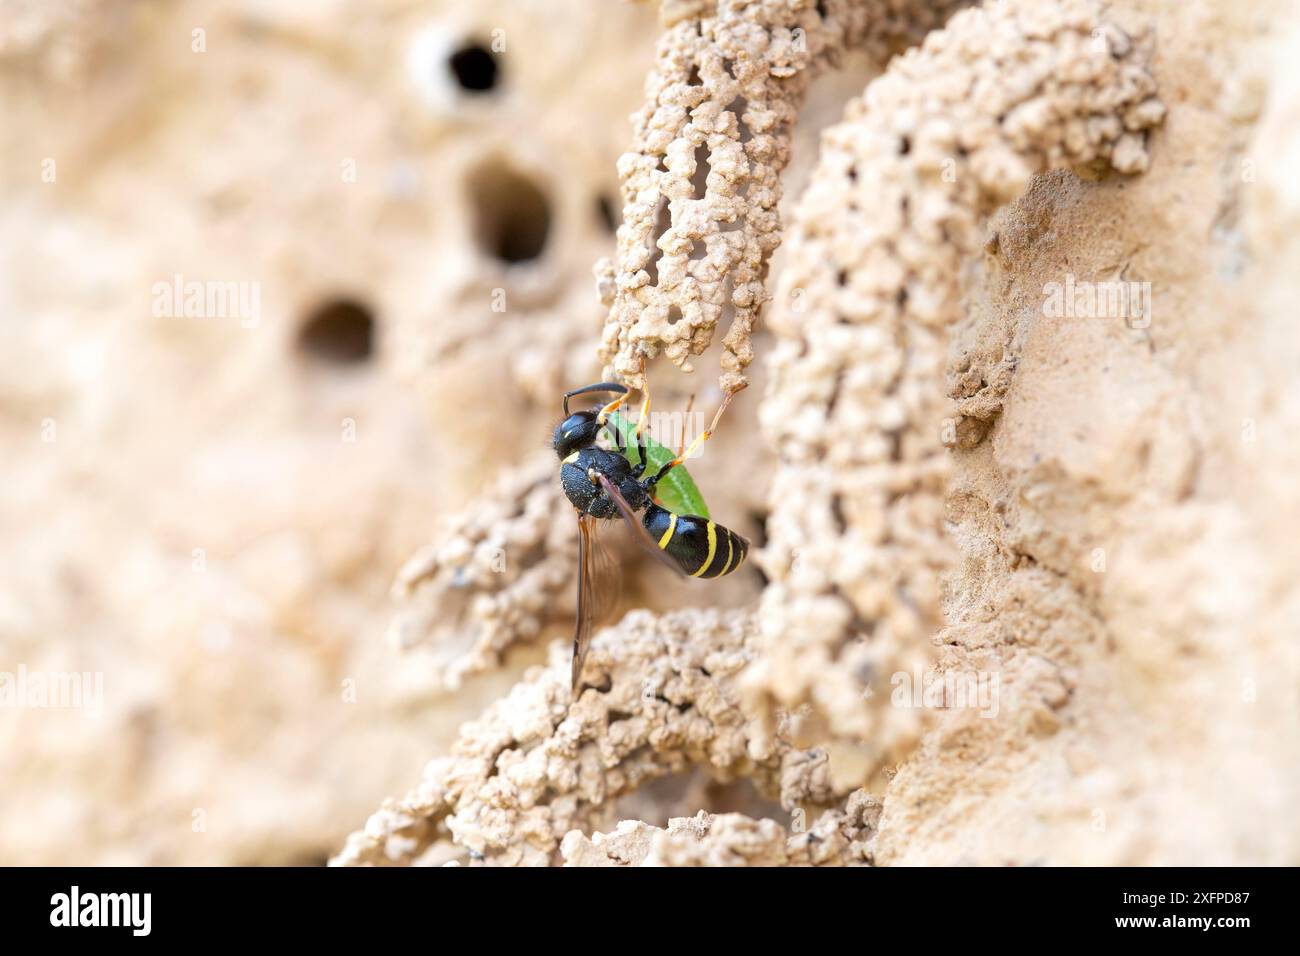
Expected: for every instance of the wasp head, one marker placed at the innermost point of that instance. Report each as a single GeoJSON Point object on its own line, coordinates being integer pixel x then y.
{"type": "Point", "coordinates": [577, 431]}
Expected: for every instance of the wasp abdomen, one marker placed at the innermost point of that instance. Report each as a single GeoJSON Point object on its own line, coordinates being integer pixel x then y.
{"type": "Point", "coordinates": [701, 548]}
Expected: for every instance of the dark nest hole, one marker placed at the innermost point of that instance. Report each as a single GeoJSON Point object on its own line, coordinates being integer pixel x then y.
{"type": "Point", "coordinates": [475, 68]}
{"type": "Point", "coordinates": [338, 332]}
{"type": "Point", "coordinates": [512, 216]}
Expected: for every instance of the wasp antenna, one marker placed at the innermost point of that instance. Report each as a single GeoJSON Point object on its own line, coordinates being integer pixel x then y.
{"type": "Point", "coordinates": [613, 387]}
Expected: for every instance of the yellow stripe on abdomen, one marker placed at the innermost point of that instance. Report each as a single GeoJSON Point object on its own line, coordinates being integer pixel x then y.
{"type": "Point", "coordinates": [730, 554]}
{"type": "Point", "coordinates": [713, 549]}
{"type": "Point", "coordinates": [668, 535]}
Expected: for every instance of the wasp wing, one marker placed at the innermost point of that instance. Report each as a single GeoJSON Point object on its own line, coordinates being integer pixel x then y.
{"type": "Point", "coordinates": [599, 579]}
{"type": "Point", "coordinates": [605, 575]}
{"type": "Point", "coordinates": [634, 525]}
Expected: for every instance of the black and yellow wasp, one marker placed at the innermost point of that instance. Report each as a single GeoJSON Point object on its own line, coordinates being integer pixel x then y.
{"type": "Point", "coordinates": [606, 484]}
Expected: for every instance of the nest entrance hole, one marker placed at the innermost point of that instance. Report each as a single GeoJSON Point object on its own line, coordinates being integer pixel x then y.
{"type": "Point", "coordinates": [512, 214]}
{"type": "Point", "coordinates": [475, 68]}
{"type": "Point", "coordinates": [339, 331]}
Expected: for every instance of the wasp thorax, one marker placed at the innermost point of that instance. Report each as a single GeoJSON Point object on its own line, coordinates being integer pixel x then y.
{"type": "Point", "coordinates": [577, 431]}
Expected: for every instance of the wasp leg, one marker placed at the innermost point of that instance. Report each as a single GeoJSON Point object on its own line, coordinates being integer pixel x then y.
{"type": "Point", "coordinates": [641, 460]}
{"type": "Point", "coordinates": [699, 440]}
{"type": "Point", "coordinates": [681, 448]}
{"type": "Point", "coordinates": [614, 406]}
{"type": "Point", "coordinates": [645, 405]}
{"type": "Point", "coordinates": [611, 408]}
